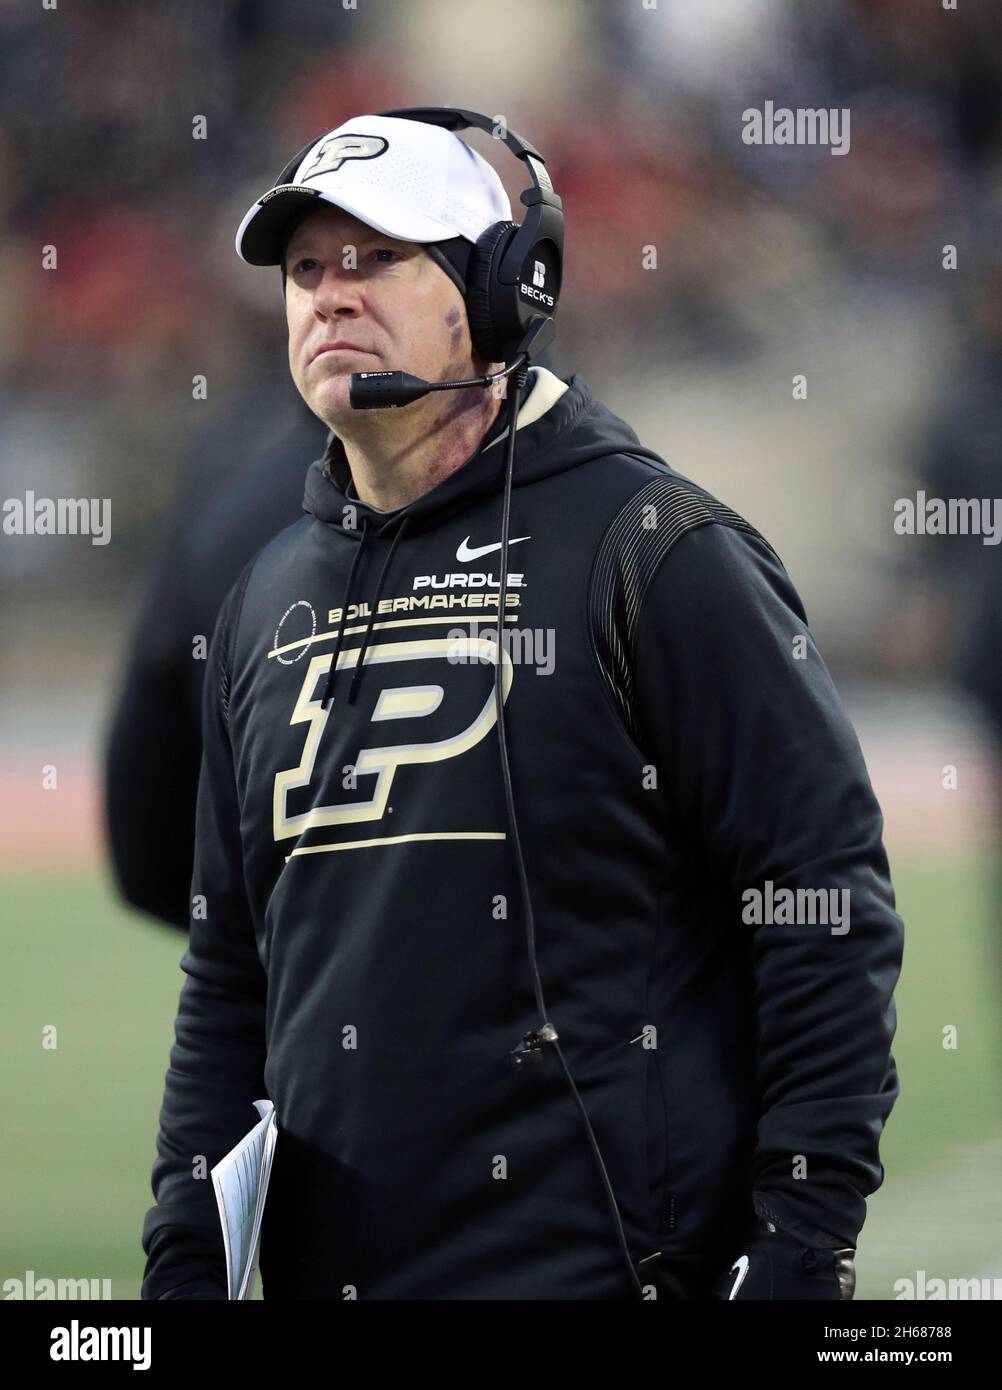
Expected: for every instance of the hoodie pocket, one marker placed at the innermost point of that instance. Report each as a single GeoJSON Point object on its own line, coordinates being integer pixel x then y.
{"type": "Point", "coordinates": [662, 1197]}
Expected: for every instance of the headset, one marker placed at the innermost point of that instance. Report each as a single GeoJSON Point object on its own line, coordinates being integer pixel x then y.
{"type": "Point", "coordinates": [512, 289]}
{"type": "Point", "coordinates": [508, 312]}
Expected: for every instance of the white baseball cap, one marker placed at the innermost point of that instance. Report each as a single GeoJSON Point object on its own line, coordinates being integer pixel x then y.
{"type": "Point", "coordinates": [409, 180]}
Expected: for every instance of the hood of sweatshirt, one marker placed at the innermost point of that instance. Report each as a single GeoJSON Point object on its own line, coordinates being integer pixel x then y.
{"type": "Point", "coordinates": [560, 425]}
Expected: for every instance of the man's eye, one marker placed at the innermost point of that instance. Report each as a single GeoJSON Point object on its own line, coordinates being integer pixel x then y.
{"type": "Point", "coordinates": [309, 263]}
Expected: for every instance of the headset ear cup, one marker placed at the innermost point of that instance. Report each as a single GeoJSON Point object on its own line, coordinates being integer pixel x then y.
{"type": "Point", "coordinates": [480, 282]}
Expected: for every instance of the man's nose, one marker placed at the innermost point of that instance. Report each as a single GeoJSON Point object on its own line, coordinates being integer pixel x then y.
{"type": "Point", "coordinates": [340, 288]}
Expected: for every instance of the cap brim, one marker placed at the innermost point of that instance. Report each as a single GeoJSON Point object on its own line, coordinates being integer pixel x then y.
{"type": "Point", "coordinates": [266, 226]}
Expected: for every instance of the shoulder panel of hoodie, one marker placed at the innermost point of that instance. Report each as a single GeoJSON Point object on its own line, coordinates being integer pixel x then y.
{"type": "Point", "coordinates": [647, 526]}
{"type": "Point", "coordinates": [229, 620]}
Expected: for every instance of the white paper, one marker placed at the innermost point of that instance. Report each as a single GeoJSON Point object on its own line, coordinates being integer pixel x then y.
{"type": "Point", "coordinates": [240, 1181]}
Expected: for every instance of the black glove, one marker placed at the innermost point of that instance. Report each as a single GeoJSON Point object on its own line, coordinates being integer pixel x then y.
{"type": "Point", "coordinates": [777, 1264]}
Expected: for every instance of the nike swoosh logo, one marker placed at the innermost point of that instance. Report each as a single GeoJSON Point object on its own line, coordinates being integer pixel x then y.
{"type": "Point", "coordinates": [741, 1263]}
{"type": "Point", "coordinates": [468, 552]}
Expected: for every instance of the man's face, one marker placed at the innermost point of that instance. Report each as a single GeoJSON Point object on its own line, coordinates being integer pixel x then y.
{"type": "Point", "coordinates": [389, 299]}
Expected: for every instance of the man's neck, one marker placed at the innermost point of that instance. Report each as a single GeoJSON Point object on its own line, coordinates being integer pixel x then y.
{"type": "Point", "coordinates": [392, 465]}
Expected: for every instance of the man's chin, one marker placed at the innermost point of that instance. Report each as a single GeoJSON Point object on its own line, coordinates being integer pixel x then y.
{"type": "Point", "coordinates": [331, 400]}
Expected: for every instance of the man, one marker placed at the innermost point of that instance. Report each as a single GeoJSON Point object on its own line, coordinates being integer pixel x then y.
{"type": "Point", "coordinates": [678, 755]}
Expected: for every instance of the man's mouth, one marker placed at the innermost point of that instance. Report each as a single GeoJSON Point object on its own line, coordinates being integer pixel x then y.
{"type": "Point", "coordinates": [342, 348]}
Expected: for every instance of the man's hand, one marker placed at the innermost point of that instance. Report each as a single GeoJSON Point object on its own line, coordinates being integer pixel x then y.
{"type": "Point", "coordinates": [778, 1265]}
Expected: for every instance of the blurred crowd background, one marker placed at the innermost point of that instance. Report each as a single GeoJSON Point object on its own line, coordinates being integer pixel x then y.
{"type": "Point", "coordinates": [772, 262]}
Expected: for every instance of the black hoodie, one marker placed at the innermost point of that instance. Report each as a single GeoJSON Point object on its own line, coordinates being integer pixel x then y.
{"type": "Point", "coordinates": [358, 948]}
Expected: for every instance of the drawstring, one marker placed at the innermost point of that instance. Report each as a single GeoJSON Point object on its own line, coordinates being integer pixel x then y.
{"type": "Point", "coordinates": [346, 600]}
{"type": "Point", "coordinates": [373, 608]}
{"type": "Point", "coordinates": [328, 694]}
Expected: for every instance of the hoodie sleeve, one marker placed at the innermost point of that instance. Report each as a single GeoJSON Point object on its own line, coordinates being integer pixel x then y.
{"type": "Point", "coordinates": [759, 757]}
{"type": "Point", "coordinates": [216, 1068]}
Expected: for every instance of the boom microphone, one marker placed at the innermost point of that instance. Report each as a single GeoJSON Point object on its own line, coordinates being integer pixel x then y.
{"type": "Point", "coordinates": [384, 390]}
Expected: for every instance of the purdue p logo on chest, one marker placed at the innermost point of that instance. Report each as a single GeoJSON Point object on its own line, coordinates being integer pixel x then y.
{"type": "Point", "coordinates": [396, 700]}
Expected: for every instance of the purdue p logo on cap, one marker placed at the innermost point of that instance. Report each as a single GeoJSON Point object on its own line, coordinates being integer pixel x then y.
{"type": "Point", "coordinates": [409, 179]}
{"type": "Point", "coordinates": [333, 152]}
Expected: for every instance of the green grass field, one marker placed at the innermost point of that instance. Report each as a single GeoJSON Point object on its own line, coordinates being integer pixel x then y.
{"type": "Point", "coordinates": [80, 1119]}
